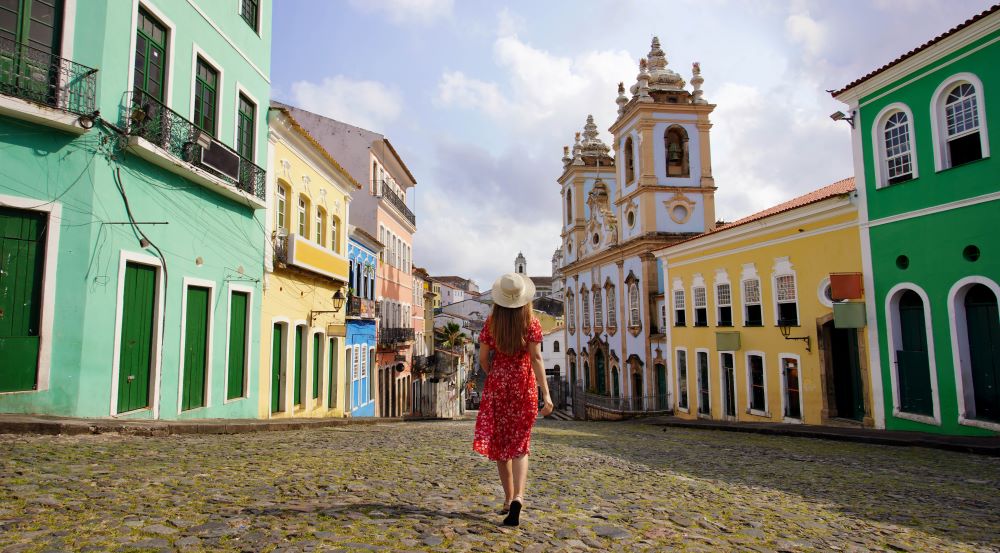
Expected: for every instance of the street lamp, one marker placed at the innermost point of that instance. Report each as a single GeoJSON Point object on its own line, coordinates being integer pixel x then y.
{"type": "Point", "coordinates": [786, 330]}
{"type": "Point", "coordinates": [338, 300]}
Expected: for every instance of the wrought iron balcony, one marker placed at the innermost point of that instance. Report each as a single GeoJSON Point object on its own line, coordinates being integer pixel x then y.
{"type": "Point", "coordinates": [360, 307]}
{"type": "Point", "coordinates": [396, 202]}
{"type": "Point", "coordinates": [45, 78]}
{"type": "Point", "coordinates": [395, 336]}
{"type": "Point", "coordinates": [150, 119]}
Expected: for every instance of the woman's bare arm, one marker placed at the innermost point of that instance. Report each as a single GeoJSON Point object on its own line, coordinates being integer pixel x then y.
{"type": "Point", "coordinates": [484, 357]}
{"type": "Point", "coordinates": [538, 365]}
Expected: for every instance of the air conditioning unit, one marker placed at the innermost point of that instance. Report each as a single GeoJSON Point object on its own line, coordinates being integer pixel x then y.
{"type": "Point", "coordinates": [221, 159]}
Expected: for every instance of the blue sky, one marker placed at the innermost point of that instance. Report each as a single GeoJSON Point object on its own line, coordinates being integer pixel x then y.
{"type": "Point", "coordinates": [479, 97]}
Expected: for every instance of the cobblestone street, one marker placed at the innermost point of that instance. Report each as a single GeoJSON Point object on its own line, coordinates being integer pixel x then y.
{"type": "Point", "coordinates": [418, 487]}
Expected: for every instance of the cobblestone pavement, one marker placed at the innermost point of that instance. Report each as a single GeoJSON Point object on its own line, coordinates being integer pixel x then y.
{"type": "Point", "coordinates": [418, 487]}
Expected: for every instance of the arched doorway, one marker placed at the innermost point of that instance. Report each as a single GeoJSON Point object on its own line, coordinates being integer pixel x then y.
{"type": "Point", "coordinates": [912, 361]}
{"type": "Point", "coordinates": [661, 386]}
{"type": "Point", "coordinates": [600, 373]}
{"type": "Point", "coordinates": [614, 382]}
{"type": "Point", "coordinates": [982, 339]}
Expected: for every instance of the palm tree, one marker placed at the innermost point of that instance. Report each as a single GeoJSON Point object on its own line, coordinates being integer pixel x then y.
{"type": "Point", "coordinates": [450, 336]}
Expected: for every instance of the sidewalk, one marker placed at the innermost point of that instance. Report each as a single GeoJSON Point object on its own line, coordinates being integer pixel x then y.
{"type": "Point", "coordinates": [40, 424]}
{"type": "Point", "coordinates": [967, 444]}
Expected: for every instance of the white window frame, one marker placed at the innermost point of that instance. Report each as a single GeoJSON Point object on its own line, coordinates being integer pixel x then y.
{"type": "Point", "coordinates": [197, 52]}
{"type": "Point", "coordinates": [722, 279]}
{"type": "Point", "coordinates": [784, 386]}
{"type": "Point", "coordinates": [939, 126]}
{"type": "Point", "coordinates": [239, 12]}
{"type": "Point", "coordinates": [611, 305]}
{"type": "Point", "coordinates": [168, 89]}
{"type": "Point", "coordinates": [694, 303]}
{"type": "Point", "coordinates": [722, 387]}
{"type": "Point", "coordinates": [708, 377]}
{"type": "Point", "coordinates": [281, 197]}
{"type": "Point", "coordinates": [878, 143]}
{"type": "Point", "coordinates": [763, 363]}
{"type": "Point", "coordinates": [634, 306]}
{"type": "Point", "coordinates": [894, 338]}
{"type": "Point", "coordinates": [187, 283]}
{"type": "Point", "coordinates": [683, 297]}
{"type": "Point", "coordinates": [302, 210]}
{"type": "Point", "coordinates": [319, 220]}
{"type": "Point", "coordinates": [598, 308]}
{"type": "Point", "coordinates": [240, 89]}
{"type": "Point", "coordinates": [53, 227]}
{"type": "Point", "coordinates": [247, 360]}
{"type": "Point", "coordinates": [286, 331]}
{"type": "Point", "coordinates": [783, 268]}
{"type": "Point", "coordinates": [687, 378]}
{"type": "Point", "coordinates": [960, 350]}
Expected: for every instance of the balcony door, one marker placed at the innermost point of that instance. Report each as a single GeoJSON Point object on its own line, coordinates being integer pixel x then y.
{"type": "Point", "coordinates": [30, 32]}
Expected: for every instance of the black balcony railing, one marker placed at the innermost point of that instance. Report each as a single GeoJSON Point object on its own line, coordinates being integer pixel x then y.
{"type": "Point", "coordinates": [44, 78]}
{"type": "Point", "coordinates": [148, 118]}
{"type": "Point", "coordinates": [360, 307]}
{"type": "Point", "coordinates": [396, 202]}
{"type": "Point", "coordinates": [394, 336]}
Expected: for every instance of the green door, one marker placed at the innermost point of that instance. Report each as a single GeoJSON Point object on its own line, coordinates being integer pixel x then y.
{"type": "Point", "coordinates": [237, 345]}
{"type": "Point", "coordinates": [600, 375]}
{"type": "Point", "coordinates": [297, 377]}
{"type": "Point", "coordinates": [984, 351]}
{"type": "Point", "coordinates": [914, 370]}
{"type": "Point", "coordinates": [331, 400]}
{"type": "Point", "coordinates": [22, 259]}
{"type": "Point", "coordinates": [661, 387]}
{"type": "Point", "coordinates": [29, 36]}
{"type": "Point", "coordinates": [847, 373]}
{"type": "Point", "coordinates": [195, 348]}
{"type": "Point", "coordinates": [136, 353]}
{"type": "Point", "coordinates": [277, 355]}
{"type": "Point", "coordinates": [316, 365]}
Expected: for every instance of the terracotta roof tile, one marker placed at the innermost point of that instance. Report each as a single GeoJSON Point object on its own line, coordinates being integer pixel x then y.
{"type": "Point", "coordinates": [915, 51]}
{"type": "Point", "coordinates": [838, 188]}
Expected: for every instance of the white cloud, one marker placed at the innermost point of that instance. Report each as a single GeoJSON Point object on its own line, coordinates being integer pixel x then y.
{"type": "Point", "coordinates": [367, 104]}
{"type": "Point", "coordinates": [406, 12]}
{"type": "Point", "coordinates": [807, 32]}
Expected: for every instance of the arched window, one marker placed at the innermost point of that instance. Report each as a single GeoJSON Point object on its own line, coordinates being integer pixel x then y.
{"type": "Point", "coordinates": [633, 305]}
{"type": "Point", "coordinates": [675, 145]}
{"type": "Point", "coordinates": [555, 346]}
{"type": "Point", "coordinates": [612, 310]}
{"type": "Point", "coordinates": [571, 311]}
{"type": "Point", "coordinates": [897, 147]}
{"type": "Point", "coordinates": [959, 122]}
{"type": "Point", "coordinates": [585, 299]}
{"type": "Point", "coordinates": [569, 207]}
{"type": "Point", "coordinates": [598, 309]}
{"type": "Point", "coordinates": [629, 161]}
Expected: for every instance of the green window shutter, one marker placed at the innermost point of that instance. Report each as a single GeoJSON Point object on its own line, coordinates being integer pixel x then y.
{"type": "Point", "coordinates": [135, 355]}
{"type": "Point", "coordinates": [150, 56]}
{"type": "Point", "coordinates": [245, 132]}
{"type": "Point", "coordinates": [22, 259]}
{"type": "Point", "coordinates": [195, 348]}
{"type": "Point", "coordinates": [297, 377]}
{"type": "Point", "coordinates": [205, 96]}
{"type": "Point", "coordinates": [983, 324]}
{"type": "Point", "coordinates": [237, 344]}
{"type": "Point", "coordinates": [315, 375]}
{"type": "Point", "coordinates": [277, 359]}
{"type": "Point", "coordinates": [332, 398]}
{"type": "Point", "coordinates": [912, 362]}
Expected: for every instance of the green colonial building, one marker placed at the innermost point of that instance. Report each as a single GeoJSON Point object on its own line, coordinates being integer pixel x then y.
{"type": "Point", "coordinates": [930, 203]}
{"type": "Point", "coordinates": [132, 167]}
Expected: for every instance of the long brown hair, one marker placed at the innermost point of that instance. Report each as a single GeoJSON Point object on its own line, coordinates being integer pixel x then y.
{"type": "Point", "coordinates": [509, 326]}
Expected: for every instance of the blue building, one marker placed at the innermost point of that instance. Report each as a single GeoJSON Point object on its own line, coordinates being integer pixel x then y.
{"type": "Point", "coordinates": [362, 252]}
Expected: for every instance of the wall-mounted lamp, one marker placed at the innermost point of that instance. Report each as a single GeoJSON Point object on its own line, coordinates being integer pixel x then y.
{"type": "Point", "coordinates": [786, 330]}
{"type": "Point", "coordinates": [338, 304]}
{"type": "Point", "coordinates": [839, 116]}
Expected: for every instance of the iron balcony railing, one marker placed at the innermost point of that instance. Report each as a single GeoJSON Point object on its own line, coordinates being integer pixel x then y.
{"type": "Point", "coordinates": [396, 202]}
{"type": "Point", "coordinates": [152, 120]}
{"type": "Point", "coordinates": [360, 307]}
{"type": "Point", "coordinates": [393, 336]}
{"type": "Point", "coordinates": [45, 78]}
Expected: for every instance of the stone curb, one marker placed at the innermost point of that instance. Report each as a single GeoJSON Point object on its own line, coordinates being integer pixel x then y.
{"type": "Point", "coordinates": [76, 427]}
{"type": "Point", "coordinates": [979, 446]}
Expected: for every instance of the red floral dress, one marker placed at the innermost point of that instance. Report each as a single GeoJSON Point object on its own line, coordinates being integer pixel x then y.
{"type": "Point", "coordinates": [509, 404]}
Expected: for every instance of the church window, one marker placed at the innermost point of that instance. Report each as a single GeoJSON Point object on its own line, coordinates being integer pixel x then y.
{"type": "Point", "coordinates": [585, 299]}
{"type": "Point", "coordinates": [571, 306]}
{"type": "Point", "coordinates": [633, 307]}
{"type": "Point", "coordinates": [612, 311]}
{"type": "Point", "coordinates": [896, 136]}
{"type": "Point", "coordinates": [569, 207]}
{"type": "Point", "coordinates": [629, 161]}
{"type": "Point", "coordinates": [598, 310]}
{"type": "Point", "coordinates": [675, 142]}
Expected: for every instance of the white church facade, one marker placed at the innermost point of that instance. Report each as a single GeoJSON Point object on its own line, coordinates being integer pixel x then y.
{"type": "Point", "coordinates": [655, 191]}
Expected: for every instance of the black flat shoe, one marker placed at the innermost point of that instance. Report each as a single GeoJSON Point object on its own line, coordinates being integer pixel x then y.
{"type": "Point", "coordinates": [513, 517]}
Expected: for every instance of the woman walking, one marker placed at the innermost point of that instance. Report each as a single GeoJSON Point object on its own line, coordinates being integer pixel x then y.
{"type": "Point", "coordinates": [511, 354]}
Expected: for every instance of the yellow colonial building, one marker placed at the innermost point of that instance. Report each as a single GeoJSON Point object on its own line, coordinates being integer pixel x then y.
{"type": "Point", "coordinates": [303, 370]}
{"type": "Point", "coordinates": [764, 316]}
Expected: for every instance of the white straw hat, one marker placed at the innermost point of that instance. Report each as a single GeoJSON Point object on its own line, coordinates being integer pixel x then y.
{"type": "Point", "coordinates": [513, 290]}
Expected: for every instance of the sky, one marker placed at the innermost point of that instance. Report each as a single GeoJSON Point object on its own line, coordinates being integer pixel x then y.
{"type": "Point", "coordinates": [480, 97]}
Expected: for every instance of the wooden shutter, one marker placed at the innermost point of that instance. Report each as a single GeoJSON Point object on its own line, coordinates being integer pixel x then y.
{"type": "Point", "coordinates": [237, 344]}
{"type": "Point", "coordinates": [22, 259]}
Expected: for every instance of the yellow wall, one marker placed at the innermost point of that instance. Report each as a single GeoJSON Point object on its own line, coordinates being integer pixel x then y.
{"type": "Point", "coordinates": [817, 246]}
{"type": "Point", "coordinates": [291, 293]}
